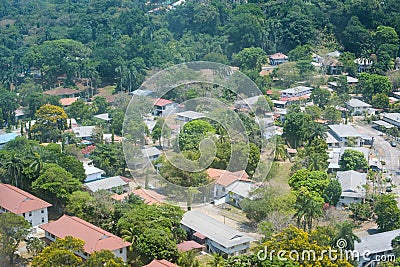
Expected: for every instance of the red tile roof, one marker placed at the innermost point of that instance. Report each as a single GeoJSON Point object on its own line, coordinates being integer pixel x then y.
{"type": "Point", "coordinates": [161, 263]}
{"type": "Point", "coordinates": [18, 201]}
{"type": "Point", "coordinates": [162, 102]}
{"type": "Point", "coordinates": [62, 91]}
{"type": "Point", "coordinates": [199, 235]}
{"type": "Point", "coordinates": [189, 245]}
{"type": "Point", "coordinates": [94, 237]}
{"type": "Point", "coordinates": [149, 196]}
{"type": "Point", "coordinates": [68, 101]}
{"type": "Point", "coordinates": [226, 178]}
{"type": "Point", "coordinates": [278, 56]}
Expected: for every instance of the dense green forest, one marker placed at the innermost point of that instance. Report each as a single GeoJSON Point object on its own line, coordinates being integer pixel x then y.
{"type": "Point", "coordinates": [119, 41]}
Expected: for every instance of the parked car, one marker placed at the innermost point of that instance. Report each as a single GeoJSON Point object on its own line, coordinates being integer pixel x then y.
{"type": "Point", "coordinates": [393, 143]}
{"type": "Point", "coordinates": [389, 189]}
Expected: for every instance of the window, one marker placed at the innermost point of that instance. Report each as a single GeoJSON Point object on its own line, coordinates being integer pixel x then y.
{"type": "Point", "coordinates": [23, 215]}
{"type": "Point", "coordinates": [223, 189]}
{"type": "Point", "coordinates": [42, 211]}
{"type": "Point", "coordinates": [30, 213]}
{"type": "Point", "coordinates": [120, 251]}
{"type": "Point", "coordinates": [42, 220]}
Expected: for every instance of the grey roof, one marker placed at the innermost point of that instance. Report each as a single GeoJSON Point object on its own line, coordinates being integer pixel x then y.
{"type": "Point", "coordinates": [140, 92]}
{"type": "Point", "coordinates": [383, 123]}
{"type": "Point", "coordinates": [376, 243]}
{"type": "Point", "coordinates": [335, 154]}
{"type": "Point", "coordinates": [352, 183]}
{"type": "Point", "coordinates": [392, 116]}
{"type": "Point", "coordinates": [344, 130]}
{"type": "Point", "coordinates": [106, 183]}
{"type": "Point", "coordinates": [83, 131]}
{"type": "Point", "coordinates": [330, 139]}
{"type": "Point", "coordinates": [191, 114]}
{"type": "Point", "coordinates": [352, 79]}
{"type": "Point", "coordinates": [296, 90]}
{"type": "Point", "coordinates": [241, 188]}
{"type": "Point", "coordinates": [90, 169]}
{"type": "Point", "coordinates": [104, 116]}
{"type": "Point", "coordinates": [214, 230]}
{"type": "Point", "coordinates": [356, 103]}
{"type": "Point", "coordinates": [151, 151]}
{"type": "Point", "coordinates": [248, 101]}
{"type": "Point", "coordinates": [363, 150]}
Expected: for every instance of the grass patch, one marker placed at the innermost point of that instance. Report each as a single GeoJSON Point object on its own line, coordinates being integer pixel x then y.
{"type": "Point", "coordinates": [281, 179]}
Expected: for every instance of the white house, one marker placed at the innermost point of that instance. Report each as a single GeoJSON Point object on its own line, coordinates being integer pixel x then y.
{"type": "Point", "coordinates": [95, 238]}
{"type": "Point", "coordinates": [189, 115]}
{"type": "Point", "coordinates": [84, 132]}
{"type": "Point", "coordinates": [216, 236]}
{"type": "Point", "coordinates": [296, 92]}
{"type": "Point", "coordinates": [392, 118]}
{"type": "Point", "coordinates": [278, 58]}
{"type": "Point", "coordinates": [337, 152]}
{"type": "Point", "coordinates": [374, 247]}
{"type": "Point", "coordinates": [341, 134]}
{"type": "Point", "coordinates": [111, 184]}
{"type": "Point", "coordinates": [92, 173]}
{"type": "Point", "coordinates": [357, 107]}
{"type": "Point", "coordinates": [17, 201]}
{"type": "Point", "coordinates": [163, 107]}
{"type": "Point", "coordinates": [353, 187]}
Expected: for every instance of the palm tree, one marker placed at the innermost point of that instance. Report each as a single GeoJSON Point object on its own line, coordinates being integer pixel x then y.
{"type": "Point", "coordinates": [307, 210]}
{"type": "Point", "coordinates": [315, 130]}
{"type": "Point", "coordinates": [217, 260]}
{"type": "Point", "coordinates": [14, 168]}
{"type": "Point", "coordinates": [346, 233]}
{"type": "Point", "coordinates": [130, 236]}
{"type": "Point", "coordinates": [280, 152]}
{"type": "Point", "coordinates": [37, 163]}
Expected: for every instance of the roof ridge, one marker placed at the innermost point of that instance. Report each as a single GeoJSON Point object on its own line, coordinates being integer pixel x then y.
{"type": "Point", "coordinates": [91, 226]}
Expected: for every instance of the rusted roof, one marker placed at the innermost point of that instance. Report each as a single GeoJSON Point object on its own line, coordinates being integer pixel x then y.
{"type": "Point", "coordinates": [189, 245]}
{"type": "Point", "coordinates": [62, 91]}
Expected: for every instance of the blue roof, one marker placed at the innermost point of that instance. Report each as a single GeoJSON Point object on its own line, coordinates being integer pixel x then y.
{"type": "Point", "coordinates": [5, 138]}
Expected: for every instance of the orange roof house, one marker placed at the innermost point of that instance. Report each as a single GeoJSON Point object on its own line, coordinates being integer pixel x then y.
{"type": "Point", "coordinates": [225, 178]}
{"type": "Point", "coordinates": [95, 238]}
{"type": "Point", "coordinates": [65, 102]}
{"type": "Point", "coordinates": [161, 263]}
{"type": "Point", "coordinates": [17, 201]}
{"type": "Point", "coordinates": [63, 92]}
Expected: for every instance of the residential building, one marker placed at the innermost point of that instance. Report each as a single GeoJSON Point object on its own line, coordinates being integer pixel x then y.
{"type": "Point", "coordinates": [343, 134]}
{"type": "Point", "coordinates": [84, 132]}
{"type": "Point", "coordinates": [66, 102]}
{"type": "Point", "coordinates": [247, 103]}
{"type": "Point", "coordinates": [364, 64]}
{"type": "Point", "coordinates": [215, 235]}
{"type": "Point", "coordinates": [224, 179]}
{"type": "Point", "coordinates": [336, 153]}
{"type": "Point", "coordinates": [104, 117]}
{"type": "Point", "coordinates": [147, 155]}
{"type": "Point", "coordinates": [357, 107]}
{"type": "Point", "coordinates": [115, 184]}
{"type": "Point", "coordinates": [161, 263]}
{"type": "Point", "coordinates": [163, 107]}
{"type": "Point", "coordinates": [140, 92]}
{"type": "Point", "coordinates": [63, 92]}
{"type": "Point", "coordinates": [5, 138]}
{"type": "Point", "coordinates": [278, 58]}
{"type": "Point", "coordinates": [17, 201]}
{"type": "Point", "coordinates": [392, 118]}
{"type": "Point", "coordinates": [297, 91]}
{"type": "Point", "coordinates": [190, 245]}
{"type": "Point", "coordinates": [189, 115]}
{"type": "Point", "coordinates": [148, 196]}
{"type": "Point", "coordinates": [334, 67]}
{"type": "Point", "coordinates": [95, 238]}
{"type": "Point", "coordinates": [238, 191]}
{"type": "Point", "coordinates": [374, 246]}
{"type": "Point", "coordinates": [92, 173]}
{"type": "Point", "coordinates": [353, 187]}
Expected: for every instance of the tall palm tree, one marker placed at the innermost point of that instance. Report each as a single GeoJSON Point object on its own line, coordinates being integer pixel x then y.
{"type": "Point", "coordinates": [280, 152]}
{"type": "Point", "coordinates": [315, 130]}
{"type": "Point", "coordinates": [307, 210]}
{"type": "Point", "coordinates": [130, 236]}
{"type": "Point", "coordinates": [37, 163]}
{"type": "Point", "coordinates": [346, 233]}
{"type": "Point", "coordinates": [14, 168]}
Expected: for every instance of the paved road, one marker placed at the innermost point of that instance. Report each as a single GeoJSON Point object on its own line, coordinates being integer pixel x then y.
{"type": "Point", "coordinates": [387, 153]}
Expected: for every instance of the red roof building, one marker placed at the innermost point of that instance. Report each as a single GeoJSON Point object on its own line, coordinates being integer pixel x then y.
{"type": "Point", "coordinates": [63, 92]}
{"type": "Point", "coordinates": [161, 263]}
{"type": "Point", "coordinates": [95, 238]}
{"type": "Point", "coordinates": [225, 178]}
{"type": "Point", "coordinates": [17, 201]}
{"type": "Point", "coordinates": [162, 102]}
{"type": "Point", "coordinates": [190, 245]}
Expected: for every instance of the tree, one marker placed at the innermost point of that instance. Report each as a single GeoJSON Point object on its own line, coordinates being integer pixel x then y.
{"type": "Point", "coordinates": [250, 59]}
{"type": "Point", "coordinates": [314, 111]}
{"type": "Point", "coordinates": [80, 111]}
{"type": "Point", "coordinates": [14, 168]}
{"type": "Point", "coordinates": [35, 245]}
{"type": "Point", "coordinates": [101, 104]}
{"type": "Point", "coordinates": [157, 244]}
{"type": "Point", "coordinates": [55, 184]}
{"type": "Point", "coordinates": [332, 192]}
{"type": "Point", "coordinates": [353, 160]}
{"type": "Point", "coordinates": [50, 121]}
{"type": "Point", "coordinates": [8, 104]}
{"type": "Point", "coordinates": [308, 208]}
{"type": "Point", "coordinates": [73, 166]}
{"type": "Point", "coordinates": [372, 84]}
{"type": "Point", "coordinates": [287, 73]}
{"type": "Point", "coordinates": [295, 127]}
{"type": "Point", "coordinates": [356, 38]}
{"type": "Point", "coordinates": [346, 233]}
{"type": "Point", "coordinates": [314, 181]}
{"type": "Point", "coordinates": [349, 64]}
{"type": "Point", "coordinates": [361, 211]}
{"type": "Point", "coordinates": [160, 130]}
{"type": "Point", "coordinates": [13, 230]}
{"type": "Point", "coordinates": [332, 115]}
{"type": "Point", "coordinates": [380, 101]}
{"type": "Point", "coordinates": [104, 258]}
{"type": "Point", "coordinates": [388, 212]}
{"type": "Point", "coordinates": [60, 253]}
{"type": "Point", "coordinates": [192, 133]}
{"type": "Point", "coordinates": [188, 259]}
